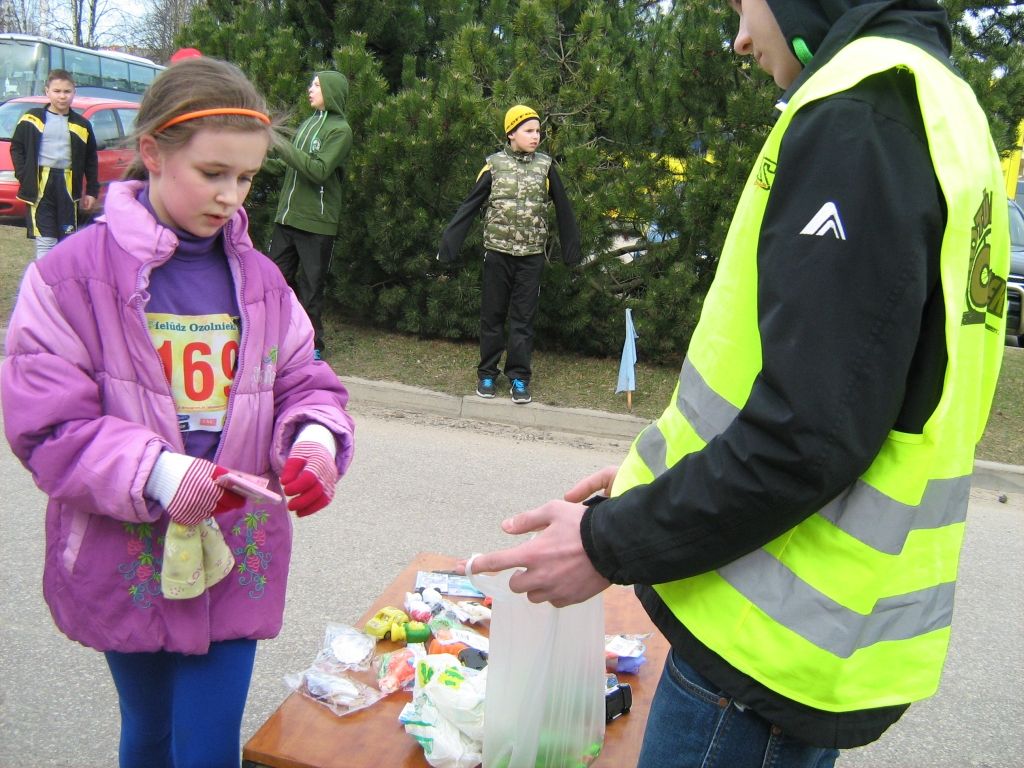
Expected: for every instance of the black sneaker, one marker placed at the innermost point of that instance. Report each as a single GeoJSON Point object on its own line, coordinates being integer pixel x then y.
{"type": "Point", "coordinates": [485, 387]}
{"type": "Point", "coordinates": [520, 392]}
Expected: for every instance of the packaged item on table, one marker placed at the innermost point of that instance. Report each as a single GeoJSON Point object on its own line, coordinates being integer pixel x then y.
{"type": "Point", "coordinates": [396, 670]}
{"type": "Point", "coordinates": [337, 691]}
{"type": "Point", "coordinates": [446, 712]}
{"type": "Point", "coordinates": [625, 653]}
{"type": "Point", "coordinates": [347, 647]}
{"type": "Point", "coordinates": [416, 607]}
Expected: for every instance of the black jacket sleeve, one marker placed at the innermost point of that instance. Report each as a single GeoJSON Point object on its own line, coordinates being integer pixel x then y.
{"type": "Point", "coordinates": [843, 322]}
{"type": "Point", "coordinates": [18, 148]}
{"type": "Point", "coordinates": [455, 233]}
{"type": "Point", "coordinates": [568, 231]}
{"type": "Point", "coordinates": [92, 165]}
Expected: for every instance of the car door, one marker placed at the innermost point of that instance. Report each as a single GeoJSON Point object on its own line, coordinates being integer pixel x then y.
{"type": "Point", "coordinates": [113, 156]}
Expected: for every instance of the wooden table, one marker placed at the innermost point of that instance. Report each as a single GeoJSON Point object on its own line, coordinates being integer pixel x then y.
{"type": "Point", "coordinates": [305, 734]}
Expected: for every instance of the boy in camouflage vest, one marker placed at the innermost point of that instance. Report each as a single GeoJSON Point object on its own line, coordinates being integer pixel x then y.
{"type": "Point", "coordinates": [516, 184]}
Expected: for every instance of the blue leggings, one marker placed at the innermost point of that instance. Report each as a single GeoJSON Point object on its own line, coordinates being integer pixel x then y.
{"type": "Point", "coordinates": [181, 711]}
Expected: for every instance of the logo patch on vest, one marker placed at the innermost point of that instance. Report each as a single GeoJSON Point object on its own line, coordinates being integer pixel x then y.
{"type": "Point", "coordinates": [766, 173]}
{"type": "Point", "coordinates": [986, 291]}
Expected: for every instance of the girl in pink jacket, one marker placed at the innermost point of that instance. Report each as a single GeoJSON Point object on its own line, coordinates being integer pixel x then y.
{"type": "Point", "coordinates": [148, 355]}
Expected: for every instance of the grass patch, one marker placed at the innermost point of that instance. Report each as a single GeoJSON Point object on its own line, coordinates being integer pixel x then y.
{"type": "Point", "coordinates": [559, 379]}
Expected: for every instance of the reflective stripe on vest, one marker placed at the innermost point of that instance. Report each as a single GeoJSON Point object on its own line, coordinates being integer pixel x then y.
{"type": "Point", "coordinates": [851, 608]}
{"type": "Point", "coordinates": [516, 219]}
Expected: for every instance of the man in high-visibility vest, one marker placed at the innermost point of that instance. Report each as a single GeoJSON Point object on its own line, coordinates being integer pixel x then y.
{"type": "Point", "coordinates": [793, 520]}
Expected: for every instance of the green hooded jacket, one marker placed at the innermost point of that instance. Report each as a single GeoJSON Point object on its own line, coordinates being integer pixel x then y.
{"type": "Point", "coordinates": [311, 195]}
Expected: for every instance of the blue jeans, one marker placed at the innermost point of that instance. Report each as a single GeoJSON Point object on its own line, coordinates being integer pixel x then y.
{"type": "Point", "coordinates": [694, 725]}
{"type": "Point", "coordinates": [181, 711]}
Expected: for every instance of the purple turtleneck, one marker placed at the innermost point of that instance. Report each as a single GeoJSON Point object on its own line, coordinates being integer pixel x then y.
{"type": "Point", "coordinates": [196, 280]}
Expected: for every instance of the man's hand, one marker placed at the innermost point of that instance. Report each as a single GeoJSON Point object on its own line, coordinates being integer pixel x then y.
{"type": "Point", "coordinates": [557, 569]}
{"type": "Point", "coordinates": [599, 482]}
{"type": "Point", "coordinates": [87, 202]}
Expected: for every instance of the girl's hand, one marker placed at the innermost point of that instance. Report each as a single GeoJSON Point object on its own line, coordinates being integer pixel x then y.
{"type": "Point", "coordinates": [310, 472]}
{"type": "Point", "coordinates": [185, 486]}
{"type": "Point", "coordinates": [309, 477]}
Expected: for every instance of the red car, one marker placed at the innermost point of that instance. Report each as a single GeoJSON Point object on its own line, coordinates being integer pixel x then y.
{"type": "Point", "coordinates": [111, 120]}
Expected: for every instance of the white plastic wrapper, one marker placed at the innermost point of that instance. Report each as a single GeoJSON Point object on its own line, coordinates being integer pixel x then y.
{"type": "Point", "coordinates": [348, 647]}
{"type": "Point", "coordinates": [337, 691]}
{"type": "Point", "coordinates": [446, 712]}
{"type": "Point", "coordinates": [328, 680]}
{"type": "Point", "coordinates": [444, 745]}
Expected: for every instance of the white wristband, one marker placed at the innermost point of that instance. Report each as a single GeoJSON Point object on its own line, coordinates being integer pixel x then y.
{"type": "Point", "coordinates": [319, 434]}
{"type": "Point", "coordinates": [166, 477]}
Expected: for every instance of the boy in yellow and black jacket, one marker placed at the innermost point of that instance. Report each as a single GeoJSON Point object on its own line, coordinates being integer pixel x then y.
{"type": "Point", "coordinates": [53, 150]}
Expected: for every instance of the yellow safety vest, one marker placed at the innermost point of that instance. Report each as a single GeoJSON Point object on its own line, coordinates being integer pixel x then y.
{"type": "Point", "coordinates": [851, 608]}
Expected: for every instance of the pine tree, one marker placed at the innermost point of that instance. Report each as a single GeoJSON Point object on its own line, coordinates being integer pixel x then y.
{"type": "Point", "coordinates": [653, 121]}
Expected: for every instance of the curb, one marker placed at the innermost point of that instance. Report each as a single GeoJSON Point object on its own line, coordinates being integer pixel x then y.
{"type": "Point", "coordinates": [987, 475]}
{"type": "Point", "coordinates": [580, 421]}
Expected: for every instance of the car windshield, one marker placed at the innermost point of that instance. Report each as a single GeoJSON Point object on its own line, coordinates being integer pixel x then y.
{"type": "Point", "coordinates": [1016, 226]}
{"type": "Point", "coordinates": [10, 112]}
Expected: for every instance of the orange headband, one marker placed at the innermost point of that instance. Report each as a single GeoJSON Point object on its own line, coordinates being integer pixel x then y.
{"type": "Point", "coordinates": [210, 112]}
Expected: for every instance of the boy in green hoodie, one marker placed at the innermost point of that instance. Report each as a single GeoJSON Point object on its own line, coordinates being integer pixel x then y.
{"type": "Point", "coordinates": [309, 207]}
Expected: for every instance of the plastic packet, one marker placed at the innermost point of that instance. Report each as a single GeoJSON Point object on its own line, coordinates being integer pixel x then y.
{"type": "Point", "coordinates": [328, 680]}
{"type": "Point", "coordinates": [477, 612]}
{"type": "Point", "coordinates": [347, 647]}
{"type": "Point", "coordinates": [444, 745]}
{"type": "Point", "coordinates": [338, 691]}
{"type": "Point", "coordinates": [625, 653]}
{"type": "Point", "coordinates": [396, 670]}
{"type": "Point", "coordinates": [446, 712]}
{"type": "Point", "coordinates": [456, 690]}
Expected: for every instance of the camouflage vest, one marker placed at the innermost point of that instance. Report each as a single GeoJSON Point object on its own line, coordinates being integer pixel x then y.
{"type": "Point", "coordinates": [516, 221]}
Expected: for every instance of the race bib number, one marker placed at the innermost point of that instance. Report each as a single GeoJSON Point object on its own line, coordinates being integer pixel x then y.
{"type": "Point", "coordinates": [199, 354]}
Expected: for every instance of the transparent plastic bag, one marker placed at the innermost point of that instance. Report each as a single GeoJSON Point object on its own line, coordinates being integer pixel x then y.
{"type": "Point", "coordinates": [544, 703]}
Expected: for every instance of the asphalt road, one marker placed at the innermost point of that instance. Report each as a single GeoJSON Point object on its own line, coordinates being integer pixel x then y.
{"type": "Point", "coordinates": [424, 483]}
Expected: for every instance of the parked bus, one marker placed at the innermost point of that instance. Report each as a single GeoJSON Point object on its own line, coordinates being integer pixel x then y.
{"type": "Point", "coordinates": [25, 61]}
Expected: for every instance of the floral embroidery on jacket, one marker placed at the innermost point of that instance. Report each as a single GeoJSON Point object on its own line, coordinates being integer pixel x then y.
{"type": "Point", "coordinates": [252, 559]}
{"type": "Point", "coordinates": [142, 571]}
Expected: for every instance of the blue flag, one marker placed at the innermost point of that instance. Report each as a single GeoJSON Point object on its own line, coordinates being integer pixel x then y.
{"type": "Point", "coordinates": [627, 366]}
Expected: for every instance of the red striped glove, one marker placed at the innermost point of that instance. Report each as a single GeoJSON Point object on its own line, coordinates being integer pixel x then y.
{"type": "Point", "coordinates": [185, 487]}
{"type": "Point", "coordinates": [310, 473]}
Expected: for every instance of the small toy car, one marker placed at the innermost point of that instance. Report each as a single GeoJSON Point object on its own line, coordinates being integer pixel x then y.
{"type": "Point", "coordinates": [380, 625]}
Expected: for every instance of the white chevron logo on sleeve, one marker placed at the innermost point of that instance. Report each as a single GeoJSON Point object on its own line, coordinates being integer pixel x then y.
{"type": "Point", "coordinates": [826, 221]}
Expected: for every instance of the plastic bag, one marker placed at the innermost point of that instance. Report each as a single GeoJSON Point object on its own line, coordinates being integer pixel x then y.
{"type": "Point", "coordinates": [544, 704]}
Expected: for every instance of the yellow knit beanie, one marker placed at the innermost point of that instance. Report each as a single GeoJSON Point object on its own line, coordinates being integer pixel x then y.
{"type": "Point", "coordinates": [518, 115]}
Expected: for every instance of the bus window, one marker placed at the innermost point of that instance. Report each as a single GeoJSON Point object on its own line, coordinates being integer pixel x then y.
{"type": "Point", "coordinates": [140, 78]}
{"type": "Point", "coordinates": [115, 74]}
{"type": "Point", "coordinates": [25, 62]}
{"type": "Point", "coordinates": [84, 67]}
{"type": "Point", "coordinates": [18, 69]}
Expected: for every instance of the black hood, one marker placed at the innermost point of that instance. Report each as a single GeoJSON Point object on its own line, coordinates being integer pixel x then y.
{"type": "Point", "coordinates": [825, 26]}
